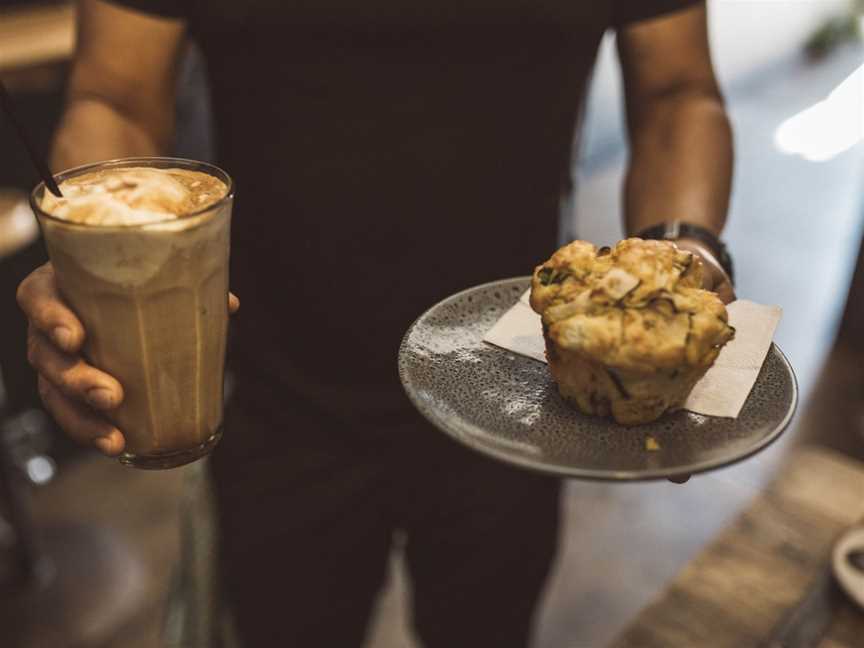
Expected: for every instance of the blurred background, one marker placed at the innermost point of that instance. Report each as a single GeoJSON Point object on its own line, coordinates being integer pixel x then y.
{"type": "Point", "coordinates": [92, 554]}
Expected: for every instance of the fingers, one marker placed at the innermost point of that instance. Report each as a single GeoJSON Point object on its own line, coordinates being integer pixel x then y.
{"type": "Point", "coordinates": [80, 423]}
{"type": "Point", "coordinates": [40, 300]}
{"type": "Point", "coordinates": [71, 375]}
{"type": "Point", "coordinates": [718, 281]}
{"type": "Point", "coordinates": [715, 277]}
{"type": "Point", "coordinates": [725, 291]}
{"type": "Point", "coordinates": [66, 382]}
{"type": "Point", "coordinates": [233, 303]}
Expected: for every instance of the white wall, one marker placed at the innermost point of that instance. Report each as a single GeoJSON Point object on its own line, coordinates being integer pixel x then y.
{"type": "Point", "coordinates": [746, 36]}
{"type": "Point", "coordinates": [749, 34]}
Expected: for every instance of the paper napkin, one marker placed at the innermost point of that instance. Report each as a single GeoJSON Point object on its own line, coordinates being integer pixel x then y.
{"type": "Point", "coordinates": [723, 389]}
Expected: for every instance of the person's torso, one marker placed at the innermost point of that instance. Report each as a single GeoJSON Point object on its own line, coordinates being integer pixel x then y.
{"type": "Point", "coordinates": [386, 155]}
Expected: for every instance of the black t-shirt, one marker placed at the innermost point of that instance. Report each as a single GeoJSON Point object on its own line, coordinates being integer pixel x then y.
{"type": "Point", "coordinates": [387, 154]}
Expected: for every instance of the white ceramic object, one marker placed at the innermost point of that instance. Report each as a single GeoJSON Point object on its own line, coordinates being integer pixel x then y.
{"type": "Point", "coordinates": [850, 577]}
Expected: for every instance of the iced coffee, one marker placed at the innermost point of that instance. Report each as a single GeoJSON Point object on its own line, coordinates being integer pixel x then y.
{"type": "Point", "coordinates": [140, 252]}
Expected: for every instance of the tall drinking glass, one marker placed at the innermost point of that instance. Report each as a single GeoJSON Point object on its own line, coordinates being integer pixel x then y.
{"type": "Point", "coordinates": [153, 298]}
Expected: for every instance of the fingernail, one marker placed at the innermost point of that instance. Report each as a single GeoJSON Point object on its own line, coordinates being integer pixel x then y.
{"type": "Point", "coordinates": [104, 444]}
{"type": "Point", "coordinates": [63, 337]}
{"type": "Point", "coordinates": [100, 398]}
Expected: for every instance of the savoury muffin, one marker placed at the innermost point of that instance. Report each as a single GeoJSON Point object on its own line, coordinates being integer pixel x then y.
{"type": "Point", "coordinates": [628, 329]}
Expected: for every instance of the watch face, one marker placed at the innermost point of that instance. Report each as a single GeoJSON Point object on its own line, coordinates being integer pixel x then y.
{"type": "Point", "coordinates": [673, 230]}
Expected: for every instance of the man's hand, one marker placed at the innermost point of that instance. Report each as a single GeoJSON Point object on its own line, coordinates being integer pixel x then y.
{"type": "Point", "coordinates": [715, 278]}
{"type": "Point", "coordinates": [75, 393]}
{"type": "Point", "coordinates": [680, 137]}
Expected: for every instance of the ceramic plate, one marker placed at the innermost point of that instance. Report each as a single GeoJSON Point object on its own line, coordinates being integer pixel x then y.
{"type": "Point", "coordinates": [507, 406]}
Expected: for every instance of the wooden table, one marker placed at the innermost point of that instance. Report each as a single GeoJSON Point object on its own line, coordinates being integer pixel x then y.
{"type": "Point", "coordinates": [735, 592]}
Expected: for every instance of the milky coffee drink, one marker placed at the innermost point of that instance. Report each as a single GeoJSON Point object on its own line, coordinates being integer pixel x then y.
{"type": "Point", "coordinates": [140, 252]}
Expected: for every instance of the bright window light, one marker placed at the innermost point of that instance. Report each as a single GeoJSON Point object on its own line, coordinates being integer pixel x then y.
{"type": "Point", "coordinates": [827, 129]}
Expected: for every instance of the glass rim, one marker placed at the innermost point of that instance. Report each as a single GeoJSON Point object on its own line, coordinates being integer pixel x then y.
{"type": "Point", "coordinates": [171, 162]}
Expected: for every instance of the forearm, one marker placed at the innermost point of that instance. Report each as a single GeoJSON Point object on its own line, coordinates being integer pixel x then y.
{"type": "Point", "coordinates": [680, 164]}
{"type": "Point", "coordinates": [92, 130]}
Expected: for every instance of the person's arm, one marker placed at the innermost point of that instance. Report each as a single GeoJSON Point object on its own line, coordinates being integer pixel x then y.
{"type": "Point", "coordinates": [121, 88]}
{"type": "Point", "coordinates": [121, 103]}
{"type": "Point", "coordinates": [680, 137]}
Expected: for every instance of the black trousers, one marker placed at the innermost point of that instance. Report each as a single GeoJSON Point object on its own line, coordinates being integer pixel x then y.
{"type": "Point", "coordinates": [308, 508]}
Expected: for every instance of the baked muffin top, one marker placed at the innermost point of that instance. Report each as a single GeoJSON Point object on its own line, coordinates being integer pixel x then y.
{"type": "Point", "coordinates": [637, 306]}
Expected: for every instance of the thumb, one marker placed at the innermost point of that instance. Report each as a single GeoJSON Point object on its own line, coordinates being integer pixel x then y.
{"type": "Point", "coordinates": [725, 291]}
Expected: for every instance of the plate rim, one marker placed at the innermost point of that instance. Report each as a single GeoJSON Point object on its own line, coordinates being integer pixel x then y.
{"type": "Point", "coordinates": [581, 473]}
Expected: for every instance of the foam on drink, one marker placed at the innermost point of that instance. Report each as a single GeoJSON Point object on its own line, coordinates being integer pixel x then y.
{"type": "Point", "coordinates": [133, 196]}
{"type": "Point", "coordinates": [158, 202]}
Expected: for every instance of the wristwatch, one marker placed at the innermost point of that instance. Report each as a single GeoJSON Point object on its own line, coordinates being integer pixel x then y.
{"type": "Point", "coordinates": [676, 229]}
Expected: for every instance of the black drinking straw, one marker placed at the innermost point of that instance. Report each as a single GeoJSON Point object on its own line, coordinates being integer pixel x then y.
{"type": "Point", "coordinates": [38, 162]}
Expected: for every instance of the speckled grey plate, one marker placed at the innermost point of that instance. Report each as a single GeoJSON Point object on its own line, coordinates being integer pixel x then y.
{"type": "Point", "coordinates": [507, 406]}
